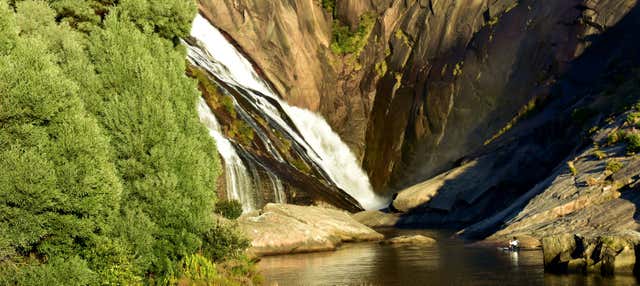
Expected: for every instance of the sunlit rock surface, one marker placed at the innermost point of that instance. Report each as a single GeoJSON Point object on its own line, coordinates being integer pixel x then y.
{"type": "Point", "coordinates": [282, 228]}
{"type": "Point", "coordinates": [413, 240]}
{"type": "Point", "coordinates": [376, 218]}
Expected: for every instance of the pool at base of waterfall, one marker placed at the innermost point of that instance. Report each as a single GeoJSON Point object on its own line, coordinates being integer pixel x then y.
{"type": "Point", "coordinates": [449, 262]}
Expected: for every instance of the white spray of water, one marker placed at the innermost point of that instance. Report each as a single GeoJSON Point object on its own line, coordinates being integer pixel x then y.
{"type": "Point", "coordinates": [239, 183]}
{"type": "Point", "coordinates": [323, 145]}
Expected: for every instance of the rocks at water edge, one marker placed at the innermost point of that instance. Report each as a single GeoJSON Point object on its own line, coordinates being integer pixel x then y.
{"type": "Point", "coordinates": [283, 228]}
{"type": "Point", "coordinates": [376, 218]}
{"type": "Point", "coordinates": [413, 240]}
{"type": "Point", "coordinates": [606, 254]}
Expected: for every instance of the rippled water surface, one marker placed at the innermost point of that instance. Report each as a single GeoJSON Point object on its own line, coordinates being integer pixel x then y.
{"type": "Point", "coordinates": [450, 262]}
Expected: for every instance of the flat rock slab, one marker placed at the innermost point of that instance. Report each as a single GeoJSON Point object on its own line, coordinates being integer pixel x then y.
{"type": "Point", "coordinates": [376, 218]}
{"type": "Point", "coordinates": [283, 228]}
{"type": "Point", "coordinates": [415, 240]}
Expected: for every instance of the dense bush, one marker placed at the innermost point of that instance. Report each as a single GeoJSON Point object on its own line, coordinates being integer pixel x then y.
{"type": "Point", "coordinates": [165, 157]}
{"type": "Point", "coordinates": [58, 187]}
{"type": "Point", "coordinates": [230, 209]}
{"type": "Point", "coordinates": [106, 175]}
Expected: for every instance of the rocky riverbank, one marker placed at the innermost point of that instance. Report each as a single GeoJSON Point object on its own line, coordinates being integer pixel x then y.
{"type": "Point", "coordinates": [605, 254]}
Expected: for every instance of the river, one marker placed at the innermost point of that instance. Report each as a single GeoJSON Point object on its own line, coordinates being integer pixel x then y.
{"type": "Point", "coordinates": [450, 262]}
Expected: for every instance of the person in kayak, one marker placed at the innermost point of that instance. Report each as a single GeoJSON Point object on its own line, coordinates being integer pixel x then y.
{"type": "Point", "coordinates": [514, 244]}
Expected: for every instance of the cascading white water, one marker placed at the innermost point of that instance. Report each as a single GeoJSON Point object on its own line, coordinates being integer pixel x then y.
{"type": "Point", "coordinates": [239, 183]}
{"type": "Point", "coordinates": [322, 145]}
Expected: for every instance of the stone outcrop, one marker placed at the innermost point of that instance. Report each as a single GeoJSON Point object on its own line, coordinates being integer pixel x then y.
{"type": "Point", "coordinates": [593, 193]}
{"type": "Point", "coordinates": [413, 240]}
{"type": "Point", "coordinates": [530, 157]}
{"type": "Point", "coordinates": [435, 80]}
{"type": "Point", "coordinates": [459, 71]}
{"type": "Point", "coordinates": [335, 222]}
{"type": "Point", "coordinates": [607, 254]}
{"type": "Point", "coordinates": [476, 112]}
{"type": "Point", "coordinates": [376, 218]}
{"type": "Point", "coordinates": [282, 229]}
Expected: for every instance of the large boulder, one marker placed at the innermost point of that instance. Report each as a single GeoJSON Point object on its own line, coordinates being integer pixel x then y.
{"type": "Point", "coordinates": [376, 218]}
{"type": "Point", "coordinates": [282, 228]}
{"type": "Point", "coordinates": [332, 221]}
{"type": "Point", "coordinates": [412, 240]}
{"type": "Point", "coordinates": [606, 254]}
{"type": "Point", "coordinates": [272, 233]}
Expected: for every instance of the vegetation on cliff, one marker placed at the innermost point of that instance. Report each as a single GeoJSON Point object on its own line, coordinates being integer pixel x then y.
{"type": "Point", "coordinates": [107, 177]}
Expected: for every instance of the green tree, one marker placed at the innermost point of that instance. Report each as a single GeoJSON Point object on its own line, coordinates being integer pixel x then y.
{"type": "Point", "coordinates": [170, 19]}
{"type": "Point", "coordinates": [164, 156]}
{"type": "Point", "coordinates": [58, 186]}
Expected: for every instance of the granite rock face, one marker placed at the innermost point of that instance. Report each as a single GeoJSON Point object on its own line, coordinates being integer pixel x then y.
{"type": "Point", "coordinates": [531, 161]}
{"type": "Point", "coordinates": [593, 193]}
{"type": "Point", "coordinates": [376, 218]}
{"type": "Point", "coordinates": [282, 229]}
{"type": "Point", "coordinates": [434, 80]}
{"type": "Point", "coordinates": [607, 254]}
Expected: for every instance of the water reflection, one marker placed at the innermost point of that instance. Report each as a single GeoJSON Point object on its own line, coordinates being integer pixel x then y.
{"type": "Point", "coordinates": [589, 280]}
{"type": "Point", "coordinates": [450, 262]}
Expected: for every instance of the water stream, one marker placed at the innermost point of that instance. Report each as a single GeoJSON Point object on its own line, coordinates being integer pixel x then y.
{"type": "Point", "coordinates": [449, 262]}
{"type": "Point", "coordinates": [309, 133]}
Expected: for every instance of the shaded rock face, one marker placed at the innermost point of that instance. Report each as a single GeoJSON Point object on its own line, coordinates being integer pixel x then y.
{"type": "Point", "coordinates": [611, 254]}
{"type": "Point", "coordinates": [465, 69]}
{"type": "Point", "coordinates": [435, 80]}
{"type": "Point", "coordinates": [593, 193]}
{"type": "Point", "coordinates": [494, 184]}
{"type": "Point", "coordinates": [282, 229]}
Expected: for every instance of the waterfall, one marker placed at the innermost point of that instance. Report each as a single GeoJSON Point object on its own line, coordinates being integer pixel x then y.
{"type": "Point", "coordinates": [239, 183]}
{"type": "Point", "coordinates": [311, 134]}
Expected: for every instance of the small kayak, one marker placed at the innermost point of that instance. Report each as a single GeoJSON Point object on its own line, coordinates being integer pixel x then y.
{"type": "Point", "coordinates": [509, 249]}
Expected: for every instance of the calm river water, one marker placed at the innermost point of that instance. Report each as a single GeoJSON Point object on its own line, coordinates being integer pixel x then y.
{"type": "Point", "coordinates": [450, 262]}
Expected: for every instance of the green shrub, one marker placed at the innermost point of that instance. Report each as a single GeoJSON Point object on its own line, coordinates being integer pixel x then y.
{"type": "Point", "coordinates": [106, 174]}
{"type": "Point", "coordinates": [633, 118]}
{"type": "Point", "coordinates": [59, 189]}
{"type": "Point", "coordinates": [599, 154]}
{"type": "Point", "coordinates": [329, 6]}
{"type": "Point", "coordinates": [615, 137]}
{"type": "Point", "coordinates": [613, 166]}
{"type": "Point", "coordinates": [164, 155]}
{"type": "Point", "coordinates": [196, 270]}
{"type": "Point", "coordinates": [231, 209]}
{"type": "Point", "coordinates": [344, 41]}
{"type": "Point", "coordinates": [170, 19]}
{"type": "Point", "coordinates": [62, 272]}
{"type": "Point", "coordinates": [224, 242]}
{"type": "Point", "coordinates": [633, 142]}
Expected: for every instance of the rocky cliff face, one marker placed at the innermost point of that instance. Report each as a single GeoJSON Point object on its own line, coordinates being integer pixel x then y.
{"type": "Point", "coordinates": [476, 106]}
{"type": "Point", "coordinates": [433, 81]}
{"type": "Point", "coordinates": [528, 160]}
